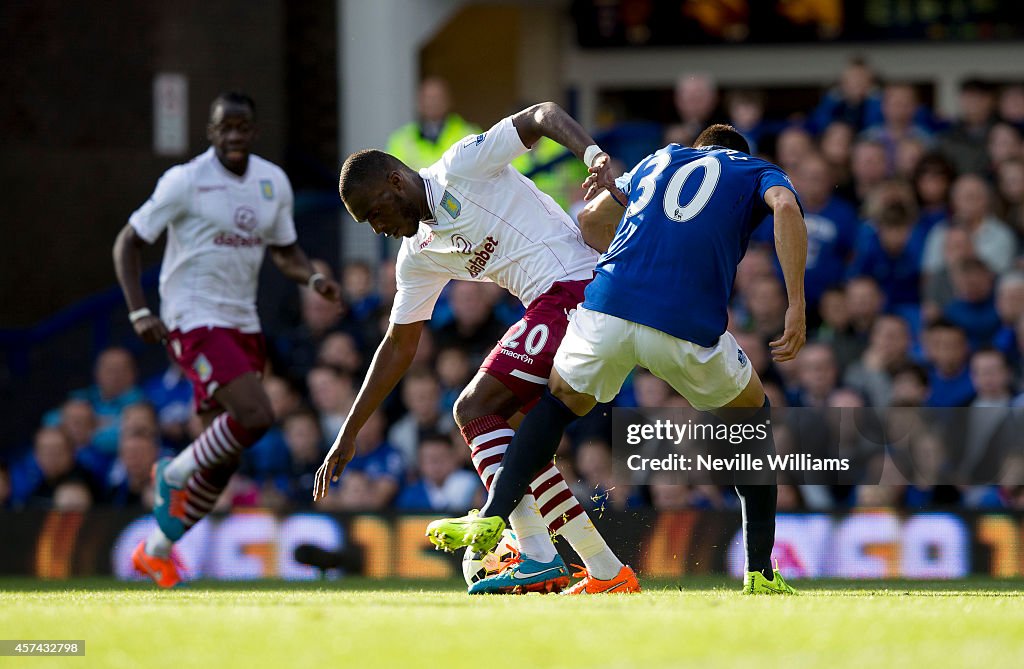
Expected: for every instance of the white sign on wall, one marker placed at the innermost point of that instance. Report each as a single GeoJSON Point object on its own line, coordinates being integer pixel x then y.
{"type": "Point", "coordinates": [170, 114]}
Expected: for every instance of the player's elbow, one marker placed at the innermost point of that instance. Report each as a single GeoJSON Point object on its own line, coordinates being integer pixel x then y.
{"type": "Point", "coordinates": [786, 207]}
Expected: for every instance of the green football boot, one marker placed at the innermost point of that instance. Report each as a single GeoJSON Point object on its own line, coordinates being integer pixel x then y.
{"type": "Point", "coordinates": [754, 583]}
{"type": "Point", "coordinates": [480, 534]}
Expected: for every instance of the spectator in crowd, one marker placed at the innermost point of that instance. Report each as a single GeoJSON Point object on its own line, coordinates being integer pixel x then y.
{"type": "Point", "coordinates": [113, 390]}
{"type": "Point", "coordinates": [596, 488]}
{"type": "Point", "coordinates": [938, 284]}
{"type": "Point", "coordinates": [454, 371]}
{"type": "Point", "coordinates": [78, 422]}
{"type": "Point", "coordinates": [341, 350]}
{"type": "Point", "coordinates": [855, 101]}
{"type": "Point", "coordinates": [933, 178]}
{"type": "Point", "coordinates": [358, 289]}
{"type": "Point", "coordinates": [51, 462]}
{"type": "Point", "coordinates": [305, 445]}
{"type": "Point", "coordinates": [352, 494]}
{"type": "Point", "coordinates": [864, 302]}
{"type": "Point", "coordinates": [421, 394]}
{"type": "Point", "coordinates": [299, 347]}
{"type": "Point", "coordinates": [440, 486]}
{"type": "Point", "coordinates": [888, 350]}
{"type": "Point", "coordinates": [1011, 105]}
{"type": "Point", "coordinates": [745, 108]}
{"type": "Point", "coordinates": [909, 386]}
{"type": "Point", "coordinates": [836, 145]}
{"type": "Point", "coordinates": [836, 329]}
{"type": "Point", "coordinates": [946, 350]}
{"type": "Point", "coordinates": [868, 168]}
{"type": "Point", "coordinates": [268, 457]}
{"type": "Point", "coordinates": [332, 392]}
{"type": "Point", "coordinates": [964, 142]}
{"type": "Point", "coordinates": [1010, 307]}
{"type": "Point", "coordinates": [973, 307]}
{"type": "Point", "coordinates": [474, 328]}
{"type": "Point", "coordinates": [929, 473]}
{"type": "Point", "coordinates": [72, 495]}
{"type": "Point", "coordinates": [909, 153]}
{"type": "Point", "coordinates": [817, 374]}
{"type": "Point", "coordinates": [889, 249]}
{"type": "Point", "coordinates": [421, 142]}
{"type": "Point", "coordinates": [899, 105]}
{"type": "Point", "coordinates": [765, 303]}
{"type": "Point", "coordinates": [831, 227]}
{"type": "Point", "coordinates": [1010, 182]}
{"type": "Point", "coordinates": [378, 462]}
{"type": "Point", "coordinates": [792, 146]}
{"type": "Point", "coordinates": [140, 419]}
{"type": "Point", "coordinates": [130, 483]}
{"type": "Point", "coordinates": [1004, 143]}
{"type": "Point", "coordinates": [171, 395]}
{"type": "Point", "coordinates": [971, 209]}
{"type": "Point", "coordinates": [696, 100]}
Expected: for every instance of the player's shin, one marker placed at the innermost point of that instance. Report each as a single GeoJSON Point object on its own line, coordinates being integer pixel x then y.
{"type": "Point", "coordinates": [758, 506]}
{"type": "Point", "coordinates": [223, 441]}
{"type": "Point", "coordinates": [530, 451]}
{"type": "Point", "coordinates": [488, 438]}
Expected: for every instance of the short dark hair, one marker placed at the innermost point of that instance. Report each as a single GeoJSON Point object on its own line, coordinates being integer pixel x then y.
{"type": "Point", "coordinates": [724, 135]}
{"type": "Point", "coordinates": [363, 168]}
{"type": "Point", "coordinates": [233, 98]}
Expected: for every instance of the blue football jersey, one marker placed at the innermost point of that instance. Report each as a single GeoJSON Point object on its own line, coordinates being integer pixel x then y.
{"type": "Point", "coordinates": [673, 260]}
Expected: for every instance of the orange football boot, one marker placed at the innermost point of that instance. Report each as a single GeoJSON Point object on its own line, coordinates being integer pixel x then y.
{"type": "Point", "coordinates": [624, 582]}
{"type": "Point", "coordinates": [164, 571]}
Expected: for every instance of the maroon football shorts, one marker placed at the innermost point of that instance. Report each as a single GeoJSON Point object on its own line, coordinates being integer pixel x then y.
{"type": "Point", "coordinates": [522, 359]}
{"type": "Point", "coordinates": [213, 357]}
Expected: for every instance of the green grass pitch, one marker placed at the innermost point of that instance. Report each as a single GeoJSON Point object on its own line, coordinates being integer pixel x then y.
{"type": "Point", "coordinates": [355, 624]}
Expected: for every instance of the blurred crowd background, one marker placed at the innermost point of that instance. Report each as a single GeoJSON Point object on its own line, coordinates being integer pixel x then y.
{"type": "Point", "coordinates": [915, 288]}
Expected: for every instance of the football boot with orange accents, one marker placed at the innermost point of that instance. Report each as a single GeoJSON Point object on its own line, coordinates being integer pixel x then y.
{"type": "Point", "coordinates": [624, 582]}
{"type": "Point", "coordinates": [168, 502]}
{"type": "Point", "coordinates": [165, 572]}
{"type": "Point", "coordinates": [523, 574]}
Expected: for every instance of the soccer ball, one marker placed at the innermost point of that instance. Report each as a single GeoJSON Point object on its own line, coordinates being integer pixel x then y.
{"type": "Point", "coordinates": [476, 566]}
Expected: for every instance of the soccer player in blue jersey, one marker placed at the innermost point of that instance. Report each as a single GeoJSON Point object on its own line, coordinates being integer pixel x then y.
{"type": "Point", "coordinates": [659, 300]}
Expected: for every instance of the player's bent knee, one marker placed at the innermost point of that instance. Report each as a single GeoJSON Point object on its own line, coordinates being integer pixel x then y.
{"type": "Point", "coordinates": [256, 418]}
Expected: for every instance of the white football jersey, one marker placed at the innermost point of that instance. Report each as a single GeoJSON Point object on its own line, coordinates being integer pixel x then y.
{"type": "Point", "coordinates": [490, 224]}
{"type": "Point", "coordinates": [218, 226]}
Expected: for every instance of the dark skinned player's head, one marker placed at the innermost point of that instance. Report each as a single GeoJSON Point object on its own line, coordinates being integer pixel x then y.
{"type": "Point", "coordinates": [380, 189]}
{"type": "Point", "coordinates": [721, 134]}
{"type": "Point", "coordinates": [232, 129]}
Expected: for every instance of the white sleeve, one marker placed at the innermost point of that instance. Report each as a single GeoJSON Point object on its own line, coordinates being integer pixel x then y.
{"type": "Point", "coordinates": [485, 155]}
{"type": "Point", "coordinates": [418, 290]}
{"type": "Point", "coordinates": [283, 232]}
{"type": "Point", "coordinates": [167, 203]}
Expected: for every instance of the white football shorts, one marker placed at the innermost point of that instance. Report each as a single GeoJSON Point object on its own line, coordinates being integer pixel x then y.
{"type": "Point", "coordinates": [599, 351]}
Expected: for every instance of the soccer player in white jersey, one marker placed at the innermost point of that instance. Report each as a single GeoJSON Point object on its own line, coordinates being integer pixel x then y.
{"type": "Point", "coordinates": [470, 216]}
{"type": "Point", "coordinates": [222, 211]}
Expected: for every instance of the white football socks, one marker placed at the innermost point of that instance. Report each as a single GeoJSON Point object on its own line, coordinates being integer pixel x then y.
{"type": "Point", "coordinates": [584, 538]}
{"type": "Point", "coordinates": [158, 545]}
{"type": "Point", "coordinates": [532, 533]}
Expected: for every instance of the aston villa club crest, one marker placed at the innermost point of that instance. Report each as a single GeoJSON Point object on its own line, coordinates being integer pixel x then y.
{"type": "Point", "coordinates": [451, 206]}
{"type": "Point", "coordinates": [267, 189]}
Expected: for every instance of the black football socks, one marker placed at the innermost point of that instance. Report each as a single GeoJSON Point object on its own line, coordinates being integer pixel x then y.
{"type": "Point", "coordinates": [758, 503]}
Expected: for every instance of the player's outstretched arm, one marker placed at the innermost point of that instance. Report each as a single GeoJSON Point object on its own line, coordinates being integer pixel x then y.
{"type": "Point", "coordinates": [393, 357]}
{"type": "Point", "coordinates": [791, 247]}
{"type": "Point", "coordinates": [599, 220]}
{"type": "Point", "coordinates": [128, 267]}
{"type": "Point", "coordinates": [291, 260]}
{"type": "Point", "coordinates": [547, 119]}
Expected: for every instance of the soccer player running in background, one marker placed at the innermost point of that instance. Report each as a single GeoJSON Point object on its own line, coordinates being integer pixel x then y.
{"type": "Point", "coordinates": [660, 301]}
{"type": "Point", "coordinates": [471, 216]}
{"type": "Point", "coordinates": [221, 211]}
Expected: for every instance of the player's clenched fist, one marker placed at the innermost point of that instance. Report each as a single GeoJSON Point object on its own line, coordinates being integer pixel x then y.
{"type": "Point", "coordinates": [150, 329]}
